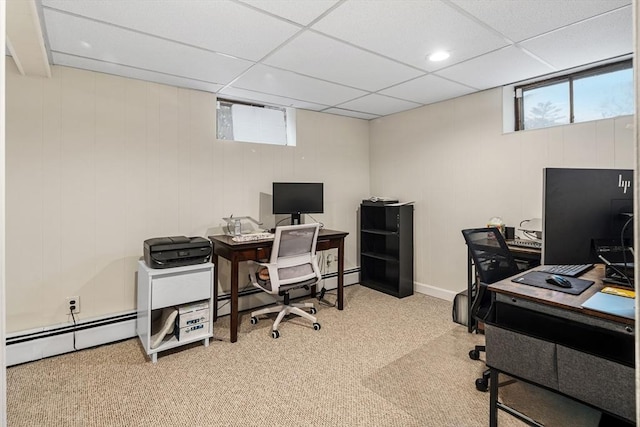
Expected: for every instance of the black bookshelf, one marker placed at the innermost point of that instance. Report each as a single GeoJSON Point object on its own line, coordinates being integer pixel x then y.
{"type": "Point", "coordinates": [386, 248]}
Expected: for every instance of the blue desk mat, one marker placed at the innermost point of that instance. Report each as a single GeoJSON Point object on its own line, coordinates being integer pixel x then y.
{"type": "Point", "coordinates": [538, 279]}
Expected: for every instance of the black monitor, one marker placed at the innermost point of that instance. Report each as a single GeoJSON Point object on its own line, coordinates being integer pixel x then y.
{"type": "Point", "coordinates": [296, 198]}
{"type": "Point", "coordinates": [585, 212]}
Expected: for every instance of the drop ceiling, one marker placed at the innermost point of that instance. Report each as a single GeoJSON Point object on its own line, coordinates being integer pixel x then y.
{"type": "Point", "coordinates": [356, 58]}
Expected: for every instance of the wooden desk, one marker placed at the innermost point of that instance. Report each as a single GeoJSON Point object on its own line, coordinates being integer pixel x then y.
{"type": "Point", "coordinates": [546, 338]}
{"type": "Point", "coordinates": [237, 252]}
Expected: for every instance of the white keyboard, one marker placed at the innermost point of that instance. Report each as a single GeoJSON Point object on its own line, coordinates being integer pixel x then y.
{"type": "Point", "coordinates": [253, 237]}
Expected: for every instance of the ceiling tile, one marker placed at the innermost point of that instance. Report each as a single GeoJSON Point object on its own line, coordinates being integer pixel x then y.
{"type": "Point", "coordinates": [300, 11]}
{"type": "Point", "coordinates": [318, 56]}
{"type": "Point", "coordinates": [329, 55]}
{"type": "Point", "coordinates": [262, 78]}
{"type": "Point", "coordinates": [349, 113]}
{"type": "Point", "coordinates": [378, 104]}
{"type": "Point", "coordinates": [428, 89]}
{"type": "Point", "coordinates": [134, 73]}
{"type": "Point", "coordinates": [508, 16]}
{"type": "Point", "coordinates": [249, 95]}
{"type": "Point", "coordinates": [596, 39]}
{"type": "Point", "coordinates": [409, 30]}
{"type": "Point", "coordinates": [90, 39]}
{"type": "Point", "coordinates": [221, 26]}
{"type": "Point", "coordinates": [497, 68]}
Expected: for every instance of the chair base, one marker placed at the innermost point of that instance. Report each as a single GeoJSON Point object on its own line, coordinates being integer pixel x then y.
{"type": "Point", "coordinates": [284, 310]}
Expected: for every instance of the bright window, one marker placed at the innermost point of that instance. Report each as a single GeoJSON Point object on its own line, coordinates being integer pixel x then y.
{"type": "Point", "coordinates": [598, 93]}
{"type": "Point", "coordinates": [255, 123]}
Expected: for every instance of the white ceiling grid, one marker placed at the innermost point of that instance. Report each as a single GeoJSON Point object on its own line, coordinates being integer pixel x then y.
{"type": "Point", "coordinates": [357, 58]}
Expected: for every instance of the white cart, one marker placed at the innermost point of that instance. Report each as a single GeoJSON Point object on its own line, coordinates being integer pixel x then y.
{"type": "Point", "coordinates": [170, 287]}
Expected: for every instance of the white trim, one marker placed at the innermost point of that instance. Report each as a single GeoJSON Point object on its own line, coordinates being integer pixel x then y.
{"type": "Point", "coordinates": [48, 342]}
{"type": "Point", "coordinates": [3, 355]}
{"type": "Point", "coordinates": [433, 291]}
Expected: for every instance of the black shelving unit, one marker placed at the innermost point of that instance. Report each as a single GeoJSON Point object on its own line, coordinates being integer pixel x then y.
{"type": "Point", "coordinates": [386, 248]}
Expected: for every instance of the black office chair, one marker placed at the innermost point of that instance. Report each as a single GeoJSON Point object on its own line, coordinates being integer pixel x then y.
{"type": "Point", "coordinates": [493, 262]}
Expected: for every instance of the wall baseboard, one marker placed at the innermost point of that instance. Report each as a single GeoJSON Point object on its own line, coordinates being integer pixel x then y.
{"type": "Point", "coordinates": [36, 344]}
{"type": "Point", "coordinates": [444, 294]}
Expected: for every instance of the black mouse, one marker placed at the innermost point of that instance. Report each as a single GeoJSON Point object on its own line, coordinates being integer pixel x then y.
{"type": "Point", "coordinates": [559, 281]}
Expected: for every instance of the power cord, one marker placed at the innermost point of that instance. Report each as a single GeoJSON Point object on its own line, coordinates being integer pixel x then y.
{"type": "Point", "coordinates": [73, 317]}
{"type": "Point", "coordinates": [321, 224]}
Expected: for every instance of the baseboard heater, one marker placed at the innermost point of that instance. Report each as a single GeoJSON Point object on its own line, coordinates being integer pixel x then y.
{"type": "Point", "coordinates": [55, 340]}
{"type": "Point", "coordinates": [36, 344]}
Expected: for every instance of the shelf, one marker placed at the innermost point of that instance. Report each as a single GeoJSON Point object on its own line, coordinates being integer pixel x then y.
{"type": "Point", "coordinates": [386, 249]}
{"type": "Point", "coordinates": [383, 257]}
{"type": "Point", "coordinates": [387, 288]}
{"type": "Point", "coordinates": [173, 342]}
{"type": "Point", "coordinates": [380, 232]}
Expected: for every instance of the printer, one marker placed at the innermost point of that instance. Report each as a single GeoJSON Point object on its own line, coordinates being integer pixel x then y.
{"type": "Point", "coordinates": [176, 251]}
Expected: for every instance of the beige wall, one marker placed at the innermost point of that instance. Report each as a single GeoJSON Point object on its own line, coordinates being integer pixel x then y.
{"type": "Point", "coordinates": [96, 164]}
{"type": "Point", "coordinates": [454, 161]}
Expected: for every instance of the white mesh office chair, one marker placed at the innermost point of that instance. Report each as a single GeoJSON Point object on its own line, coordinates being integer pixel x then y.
{"type": "Point", "coordinates": [293, 264]}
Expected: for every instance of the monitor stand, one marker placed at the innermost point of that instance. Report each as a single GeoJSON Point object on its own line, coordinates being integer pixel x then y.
{"type": "Point", "coordinates": [296, 218]}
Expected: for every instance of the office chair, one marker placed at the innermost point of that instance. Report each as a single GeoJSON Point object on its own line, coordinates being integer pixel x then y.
{"type": "Point", "coordinates": [293, 264]}
{"type": "Point", "coordinates": [493, 262]}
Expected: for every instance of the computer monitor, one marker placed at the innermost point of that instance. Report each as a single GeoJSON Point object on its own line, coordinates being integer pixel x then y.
{"type": "Point", "coordinates": [296, 198]}
{"type": "Point", "coordinates": [584, 213]}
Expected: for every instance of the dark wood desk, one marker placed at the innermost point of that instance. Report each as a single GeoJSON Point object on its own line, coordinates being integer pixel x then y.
{"type": "Point", "coordinates": [546, 338]}
{"type": "Point", "coordinates": [236, 252]}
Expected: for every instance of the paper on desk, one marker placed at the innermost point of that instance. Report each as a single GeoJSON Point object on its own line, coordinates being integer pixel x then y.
{"type": "Point", "coordinates": [612, 304]}
{"type": "Point", "coordinates": [400, 203]}
{"type": "Point", "coordinates": [620, 292]}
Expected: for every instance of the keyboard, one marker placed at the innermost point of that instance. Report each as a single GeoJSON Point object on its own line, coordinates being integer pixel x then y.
{"type": "Point", "coordinates": [571, 270]}
{"type": "Point", "coordinates": [251, 237]}
{"type": "Point", "coordinates": [524, 243]}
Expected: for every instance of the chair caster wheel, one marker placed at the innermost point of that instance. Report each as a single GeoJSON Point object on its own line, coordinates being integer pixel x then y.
{"type": "Point", "coordinates": [312, 310]}
{"type": "Point", "coordinates": [482, 385]}
{"type": "Point", "coordinates": [474, 355]}
{"type": "Point", "coordinates": [254, 320]}
{"type": "Point", "coordinates": [275, 334]}
{"type": "Point", "coordinates": [316, 326]}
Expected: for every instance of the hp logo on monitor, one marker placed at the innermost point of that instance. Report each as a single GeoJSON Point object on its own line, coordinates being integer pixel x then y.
{"type": "Point", "coordinates": [624, 184]}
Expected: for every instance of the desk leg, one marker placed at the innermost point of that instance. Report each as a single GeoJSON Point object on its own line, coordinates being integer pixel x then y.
{"type": "Point", "coordinates": [493, 398]}
{"type": "Point", "coordinates": [234, 300]}
{"type": "Point", "coordinates": [341, 275]}
{"type": "Point", "coordinates": [214, 261]}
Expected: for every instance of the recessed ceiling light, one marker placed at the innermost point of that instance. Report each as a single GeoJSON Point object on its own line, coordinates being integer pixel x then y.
{"type": "Point", "coordinates": [440, 55]}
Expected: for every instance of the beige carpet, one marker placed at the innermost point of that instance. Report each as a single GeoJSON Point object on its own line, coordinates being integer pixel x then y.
{"type": "Point", "coordinates": [380, 362]}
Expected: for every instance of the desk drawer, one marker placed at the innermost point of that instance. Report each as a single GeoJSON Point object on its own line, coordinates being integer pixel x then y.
{"type": "Point", "coordinates": [600, 382]}
{"type": "Point", "coordinates": [180, 288]}
{"type": "Point", "coordinates": [521, 355]}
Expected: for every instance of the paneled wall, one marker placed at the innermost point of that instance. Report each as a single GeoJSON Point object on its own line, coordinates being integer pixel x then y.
{"type": "Point", "coordinates": [454, 161]}
{"type": "Point", "coordinates": [96, 164]}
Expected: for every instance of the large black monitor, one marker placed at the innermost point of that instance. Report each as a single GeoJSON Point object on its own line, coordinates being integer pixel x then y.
{"type": "Point", "coordinates": [584, 213]}
{"type": "Point", "coordinates": [296, 198]}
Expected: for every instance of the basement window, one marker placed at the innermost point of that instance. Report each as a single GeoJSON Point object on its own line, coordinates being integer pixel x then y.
{"type": "Point", "coordinates": [262, 124]}
{"type": "Point", "coordinates": [598, 93]}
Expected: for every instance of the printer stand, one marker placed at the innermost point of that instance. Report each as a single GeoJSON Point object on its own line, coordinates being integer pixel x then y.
{"type": "Point", "coordinates": [160, 289]}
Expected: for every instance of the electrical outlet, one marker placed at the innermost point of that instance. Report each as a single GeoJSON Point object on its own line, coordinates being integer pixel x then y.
{"type": "Point", "coordinates": [73, 304]}
{"type": "Point", "coordinates": [329, 260]}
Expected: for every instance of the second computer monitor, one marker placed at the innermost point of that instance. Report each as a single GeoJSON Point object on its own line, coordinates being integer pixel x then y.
{"type": "Point", "coordinates": [585, 210]}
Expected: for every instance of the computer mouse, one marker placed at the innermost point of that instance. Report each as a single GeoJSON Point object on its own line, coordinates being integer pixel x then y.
{"type": "Point", "coordinates": [559, 281]}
